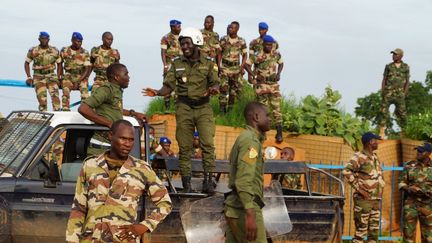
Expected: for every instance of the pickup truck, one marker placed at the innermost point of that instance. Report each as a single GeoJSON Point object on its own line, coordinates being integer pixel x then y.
{"type": "Point", "coordinates": [41, 154]}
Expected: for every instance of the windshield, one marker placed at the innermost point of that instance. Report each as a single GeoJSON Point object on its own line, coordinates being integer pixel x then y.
{"type": "Point", "coordinates": [20, 133]}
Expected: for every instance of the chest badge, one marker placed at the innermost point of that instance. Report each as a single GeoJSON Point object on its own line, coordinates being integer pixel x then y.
{"type": "Point", "coordinates": [184, 79]}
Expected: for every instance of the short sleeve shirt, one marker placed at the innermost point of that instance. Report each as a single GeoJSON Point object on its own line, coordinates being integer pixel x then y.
{"type": "Point", "coordinates": [107, 101]}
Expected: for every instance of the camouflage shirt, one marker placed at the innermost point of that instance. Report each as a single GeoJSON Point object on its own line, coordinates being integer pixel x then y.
{"type": "Point", "coordinates": [256, 46]}
{"type": "Point", "coordinates": [102, 58]}
{"type": "Point", "coordinates": [266, 64]}
{"type": "Point", "coordinates": [171, 44]}
{"type": "Point", "coordinates": [43, 59]}
{"type": "Point", "coordinates": [75, 59]}
{"type": "Point", "coordinates": [419, 175]}
{"type": "Point", "coordinates": [107, 101]}
{"type": "Point", "coordinates": [232, 49]}
{"type": "Point", "coordinates": [99, 206]}
{"type": "Point", "coordinates": [396, 76]}
{"type": "Point", "coordinates": [211, 45]}
{"type": "Point", "coordinates": [364, 171]}
{"type": "Point", "coordinates": [246, 176]}
{"type": "Point", "coordinates": [191, 81]}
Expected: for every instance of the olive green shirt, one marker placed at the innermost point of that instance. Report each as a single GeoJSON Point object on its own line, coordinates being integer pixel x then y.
{"type": "Point", "coordinates": [107, 101]}
{"type": "Point", "coordinates": [247, 171]}
{"type": "Point", "coordinates": [191, 81]}
{"type": "Point", "coordinates": [396, 76]}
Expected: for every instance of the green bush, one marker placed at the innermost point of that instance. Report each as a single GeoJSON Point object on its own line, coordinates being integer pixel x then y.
{"type": "Point", "coordinates": [419, 127]}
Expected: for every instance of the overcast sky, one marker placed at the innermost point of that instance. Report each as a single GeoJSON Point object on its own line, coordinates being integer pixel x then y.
{"type": "Point", "coordinates": [344, 43]}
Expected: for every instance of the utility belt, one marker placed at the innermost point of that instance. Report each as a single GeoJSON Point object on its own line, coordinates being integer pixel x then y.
{"type": "Point", "coordinates": [256, 199]}
{"type": "Point", "coordinates": [75, 71]}
{"type": "Point", "coordinates": [43, 71]}
{"type": "Point", "coordinates": [100, 72]}
{"type": "Point", "coordinates": [230, 64]}
{"type": "Point", "coordinates": [191, 103]}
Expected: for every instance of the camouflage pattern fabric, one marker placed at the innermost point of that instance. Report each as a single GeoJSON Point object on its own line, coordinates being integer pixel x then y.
{"type": "Point", "coordinates": [44, 78]}
{"type": "Point", "coordinates": [292, 181]}
{"type": "Point", "coordinates": [211, 46]}
{"type": "Point", "coordinates": [75, 62]}
{"type": "Point", "coordinates": [366, 219]}
{"type": "Point", "coordinates": [364, 172]}
{"type": "Point", "coordinates": [393, 96]}
{"type": "Point", "coordinates": [256, 46]}
{"type": "Point", "coordinates": [396, 76]}
{"type": "Point", "coordinates": [171, 44]}
{"type": "Point", "coordinates": [99, 208]}
{"type": "Point", "coordinates": [417, 176]}
{"type": "Point", "coordinates": [267, 89]}
{"type": "Point", "coordinates": [101, 59]}
{"type": "Point", "coordinates": [230, 73]}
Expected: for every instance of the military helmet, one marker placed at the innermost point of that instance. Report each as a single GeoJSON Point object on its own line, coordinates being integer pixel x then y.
{"type": "Point", "coordinates": [194, 34]}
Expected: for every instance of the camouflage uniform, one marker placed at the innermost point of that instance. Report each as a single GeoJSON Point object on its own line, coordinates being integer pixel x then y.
{"type": "Point", "coordinates": [211, 46]}
{"type": "Point", "coordinates": [418, 206]}
{"type": "Point", "coordinates": [75, 63]}
{"type": "Point", "coordinates": [364, 172]}
{"type": "Point", "coordinates": [103, 200]}
{"type": "Point", "coordinates": [267, 91]}
{"type": "Point", "coordinates": [246, 182]}
{"type": "Point", "coordinates": [44, 77]}
{"type": "Point", "coordinates": [256, 46]}
{"type": "Point", "coordinates": [101, 59]}
{"type": "Point", "coordinates": [231, 78]}
{"type": "Point", "coordinates": [292, 181]}
{"type": "Point", "coordinates": [393, 92]}
{"type": "Point", "coordinates": [171, 44]}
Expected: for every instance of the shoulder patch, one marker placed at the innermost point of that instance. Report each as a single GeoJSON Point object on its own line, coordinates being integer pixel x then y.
{"type": "Point", "coordinates": [253, 153]}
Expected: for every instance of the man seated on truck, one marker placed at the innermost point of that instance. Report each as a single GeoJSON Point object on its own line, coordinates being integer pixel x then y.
{"type": "Point", "coordinates": [291, 181]}
{"type": "Point", "coordinates": [108, 190]}
{"type": "Point", "coordinates": [166, 148]}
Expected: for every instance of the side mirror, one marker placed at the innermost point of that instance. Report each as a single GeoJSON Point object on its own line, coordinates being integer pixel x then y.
{"type": "Point", "coordinates": [54, 175]}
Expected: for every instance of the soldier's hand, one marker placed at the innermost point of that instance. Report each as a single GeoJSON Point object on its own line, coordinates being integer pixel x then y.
{"type": "Point", "coordinates": [29, 81]}
{"type": "Point", "coordinates": [212, 91]}
{"type": "Point", "coordinates": [130, 232]}
{"type": "Point", "coordinates": [149, 92]}
{"type": "Point", "coordinates": [251, 227]}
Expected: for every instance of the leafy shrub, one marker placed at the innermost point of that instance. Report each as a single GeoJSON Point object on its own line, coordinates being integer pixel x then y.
{"type": "Point", "coordinates": [419, 127]}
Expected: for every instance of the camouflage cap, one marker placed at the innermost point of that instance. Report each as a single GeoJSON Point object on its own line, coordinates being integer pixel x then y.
{"type": "Point", "coordinates": [426, 147]}
{"type": "Point", "coordinates": [397, 51]}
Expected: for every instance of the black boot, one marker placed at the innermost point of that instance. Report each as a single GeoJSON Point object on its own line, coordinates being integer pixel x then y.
{"type": "Point", "coordinates": [167, 104]}
{"type": "Point", "coordinates": [222, 109]}
{"type": "Point", "coordinates": [279, 137]}
{"type": "Point", "coordinates": [186, 181]}
{"type": "Point", "coordinates": [208, 184]}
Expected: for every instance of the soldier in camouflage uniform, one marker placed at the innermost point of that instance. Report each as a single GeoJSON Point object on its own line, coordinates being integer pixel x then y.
{"type": "Point", "coordinates": [231, 70]}
{"type": "Point", "coordinates": [76, 61]}
{"type": "Point", "coordinates": [45, 58]}
{"type": "Point", "coordinates": [393, 89]}
{"type": "Point", "coordinates": [108, 192]}
{"type": "Point", "coordinates": [256, 45]}
{"type": "Point", "coordinates": [365, 175]}
{"type": "Point", "coordinates": [101, 57]}
{"type": "Point", "coordinates": [211, 47]}
{"type": "Point", "coordinates": [416, 183]}
{"type": "Point", "coordinates": [170, 49]}
{"type": "Point", "coordinates": [267, 67]}
{"type": "Point", "coordinates": [244, 203]}
{"type": "Point", "coordinates": [292, 181]}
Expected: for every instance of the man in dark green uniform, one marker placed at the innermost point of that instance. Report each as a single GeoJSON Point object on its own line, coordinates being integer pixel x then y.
{"type": "Point", "coordinates": [194, 79]}
{"type": "Point", "coordinates": [105, 105]}
{"type": "Point", "coordinates": [243, 205]}
{"type": "Point", "coordinates": [393, 89]}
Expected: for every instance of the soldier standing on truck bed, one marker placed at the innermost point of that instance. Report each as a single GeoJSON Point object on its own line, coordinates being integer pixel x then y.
{"type": "Point", "coordinates": [108, 192]}
{"type": "Point", "coordinates": [244, 203]}
{"type": "Point", "coordinates": [416, 182]}
{"type": "Point", "coordinates": [76, 67]}
{"type": "Point", "coordinates": [101, 57]}
{"type": "Point", "coordinates": [365, 175]}
{"type": "Point", "coordinates": [45, 58]}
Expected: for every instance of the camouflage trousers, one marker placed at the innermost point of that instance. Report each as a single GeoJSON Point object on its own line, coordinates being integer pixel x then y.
{"type": "Point", "coordinates": [231, 86]}
{"type": "Point", "coordinates": [99, 80]}
{"type": "Point", "coordinates": [49, 82]}
{"type": "Point", "coordinates": [397, 98]}
{"type": "Point", "coordinates": [414, 210]}
{"type": "Point", "coordinates": [71, 82]}
{"type": "Point", "coordinates": [366, 219]}
{"type": "Point", "coordinates": [269, 95]}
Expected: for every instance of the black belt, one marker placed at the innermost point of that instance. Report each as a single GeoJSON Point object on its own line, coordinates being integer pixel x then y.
{"type": "Point", "coordinates": [230, 64]}
{"type": "Point", "coordinates": [190, 102]}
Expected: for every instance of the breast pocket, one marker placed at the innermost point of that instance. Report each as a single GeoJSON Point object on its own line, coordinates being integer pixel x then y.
{"type": "Point", "coordinates": [97, 187]}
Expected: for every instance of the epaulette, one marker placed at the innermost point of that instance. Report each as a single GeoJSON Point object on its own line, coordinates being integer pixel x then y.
{"type": "Point", "coordinates": [175, 58]}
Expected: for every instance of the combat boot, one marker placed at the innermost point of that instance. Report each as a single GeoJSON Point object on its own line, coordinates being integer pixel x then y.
{"type": "Point", "coordinates": [222, 109]}
{"type": "Point", "coordinates": [208, 184]}
{"type": "Point", "coordinates": [186, 181]}
{"type": "Point", "coordinates": [167, 104]}
{"type": "Point", "coordinates": [279, 137]}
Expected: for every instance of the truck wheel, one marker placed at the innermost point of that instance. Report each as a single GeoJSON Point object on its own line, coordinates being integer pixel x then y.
{"type": "Point", "coordinates": [5, 221]}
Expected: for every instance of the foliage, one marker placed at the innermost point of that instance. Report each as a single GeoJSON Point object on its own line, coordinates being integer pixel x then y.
{"type": "Point", "coordinates": [322, 116]}
{"type": "Point", "coordinates": [419, 127]}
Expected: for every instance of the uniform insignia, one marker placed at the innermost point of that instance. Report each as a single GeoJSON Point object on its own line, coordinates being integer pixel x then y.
{"type": "Point", "coordinates": [184, 79]}
{"type": "Point", "coordinates": [252, 153]}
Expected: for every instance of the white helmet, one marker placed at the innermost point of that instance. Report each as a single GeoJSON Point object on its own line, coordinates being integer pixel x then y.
{"type": "Point", "coordinates": [194, 34]}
